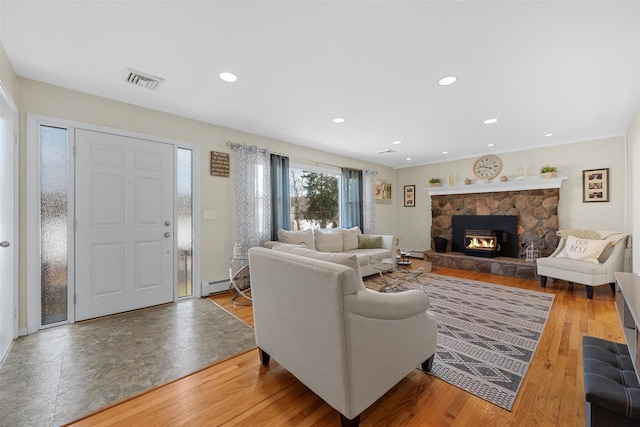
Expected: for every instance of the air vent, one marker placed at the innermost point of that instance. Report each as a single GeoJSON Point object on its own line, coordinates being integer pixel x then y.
{"type": "Point", "coordinates": [144, 80]}
{"type": "Point", "coordinates": [386, 151]}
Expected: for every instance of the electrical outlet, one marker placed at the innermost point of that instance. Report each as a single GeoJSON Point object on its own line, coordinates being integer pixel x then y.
{"type": "Point", "coordinates": [210, 215]}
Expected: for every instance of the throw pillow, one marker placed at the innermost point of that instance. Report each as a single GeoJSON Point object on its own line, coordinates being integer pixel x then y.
{"type": "Point", "coordinates": [328, 240]}
{"type": "Point", "coordinates": [583, 249]}
{"type": "Point", "coordinates": [350, 238]}
{"type": "Point", "coordinates": [297, 237]}
{"type": "Point", "coordinates": [367, 241]}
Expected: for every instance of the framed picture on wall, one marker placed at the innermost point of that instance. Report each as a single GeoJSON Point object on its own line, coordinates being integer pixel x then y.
{"type": "Point", "coordinates": [595, 185]}
{"type": "Point", "coordinates": [410, 196]}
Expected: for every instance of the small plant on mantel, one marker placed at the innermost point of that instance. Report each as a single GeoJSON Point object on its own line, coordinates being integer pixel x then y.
{"type": "Point", "coordinates": [548, 171]}
{"type": "Point", "coordinates": [434, 182]}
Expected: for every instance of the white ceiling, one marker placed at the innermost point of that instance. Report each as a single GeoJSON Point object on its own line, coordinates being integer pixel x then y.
{"type": "Point", "coordinates": [568, 68]}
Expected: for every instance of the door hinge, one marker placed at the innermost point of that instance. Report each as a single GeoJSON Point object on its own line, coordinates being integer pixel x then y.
{"type": "Point", "coordinates": [15, 138]}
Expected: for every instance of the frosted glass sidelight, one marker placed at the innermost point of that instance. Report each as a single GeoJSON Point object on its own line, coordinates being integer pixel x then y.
{"type": "Point", "coordinates": [53, 224]}
{"type": "Point", "coordinates": [184, 229]}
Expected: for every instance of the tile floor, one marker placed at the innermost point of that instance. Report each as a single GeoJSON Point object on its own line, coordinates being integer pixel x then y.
{"type": "Point", "coordinates": [62, 373]}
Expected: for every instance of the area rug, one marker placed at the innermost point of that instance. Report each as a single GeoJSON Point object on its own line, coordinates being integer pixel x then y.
{"type": "Point", "coordinates": [62, 373]}
{"type": "Point", "coordinates": [487, 334]}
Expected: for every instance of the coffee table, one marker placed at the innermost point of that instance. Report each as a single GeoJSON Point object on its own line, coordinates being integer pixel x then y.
{"type": "Point", "coordinates": [388, 265]}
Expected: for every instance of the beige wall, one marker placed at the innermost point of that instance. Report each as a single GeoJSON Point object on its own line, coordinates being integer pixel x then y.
{"type": "Point", "coordinates": [633, 176]}
{"type": "Point", "coordinates": [7, 76]}
{"type": "Point", "coordinates": [217, 194]}
{"type": "Point", "coordinates": [413, 224]}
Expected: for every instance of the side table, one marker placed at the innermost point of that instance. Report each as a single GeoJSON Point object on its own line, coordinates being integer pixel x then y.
{"type": "Point", "coordinates": [239, 279]}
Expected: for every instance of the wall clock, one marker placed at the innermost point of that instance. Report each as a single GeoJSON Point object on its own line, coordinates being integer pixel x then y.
{"type": "Point", "coordinates": [487, 167]}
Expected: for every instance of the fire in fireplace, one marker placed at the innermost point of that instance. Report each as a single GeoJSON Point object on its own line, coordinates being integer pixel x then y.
{"type": "Point", "coordinates": [482, 243]}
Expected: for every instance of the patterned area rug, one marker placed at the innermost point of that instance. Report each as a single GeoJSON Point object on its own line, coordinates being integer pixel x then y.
{"type": "Point", "coordinates": [487, 334]}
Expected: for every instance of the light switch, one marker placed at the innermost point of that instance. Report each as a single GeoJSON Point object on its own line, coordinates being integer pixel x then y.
{"type": "Point", "coordinates": [210, 215]}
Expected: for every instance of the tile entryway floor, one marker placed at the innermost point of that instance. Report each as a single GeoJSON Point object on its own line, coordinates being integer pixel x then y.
{"type": "Point", "coordinates": [62, 373]}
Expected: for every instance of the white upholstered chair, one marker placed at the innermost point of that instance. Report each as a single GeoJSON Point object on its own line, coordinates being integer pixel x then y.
{"type": "Point", "coordinates": [587, 271]}
{"type": "Point", "coordinates": [346, 343]}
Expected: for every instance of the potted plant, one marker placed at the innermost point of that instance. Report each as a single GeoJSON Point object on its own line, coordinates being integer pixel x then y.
{"type": "Point", "coordinates": [548, 171]}
{"type": "Point", "coordinates": [434, 182]}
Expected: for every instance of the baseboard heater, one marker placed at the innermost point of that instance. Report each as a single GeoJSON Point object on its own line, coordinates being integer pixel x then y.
{"type": "Point", "coordinates": [416, 254]}
{"type": "Point", "coordinates": [209, 288]}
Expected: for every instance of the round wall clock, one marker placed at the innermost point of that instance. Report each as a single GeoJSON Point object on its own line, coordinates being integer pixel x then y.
{"type": "Point", "coordinates": [487, 167]}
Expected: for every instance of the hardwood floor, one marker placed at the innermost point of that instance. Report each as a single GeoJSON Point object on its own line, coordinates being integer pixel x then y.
{"type": "Point", "coordinates": [239, 391]}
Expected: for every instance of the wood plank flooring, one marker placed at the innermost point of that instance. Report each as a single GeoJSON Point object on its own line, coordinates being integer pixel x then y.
{"type": "Point", "coordinates": [240, 392]}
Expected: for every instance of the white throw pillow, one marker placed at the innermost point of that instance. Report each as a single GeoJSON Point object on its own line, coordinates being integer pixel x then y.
{"type": "Point", "coordinates": [297, 237]}
{"type": "Point", "coordinates": [328, 240]}
{"type": "Point", "coordinates": [583, 249]}
{"type": "Point", "coordinates": [350, 238]}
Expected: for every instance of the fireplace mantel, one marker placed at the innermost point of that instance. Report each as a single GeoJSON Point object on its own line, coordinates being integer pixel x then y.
{"type": "Point", "coordinates": [528, 183]}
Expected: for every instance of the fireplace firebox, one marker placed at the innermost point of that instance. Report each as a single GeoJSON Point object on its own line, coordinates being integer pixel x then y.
{"type": "Point", "coordinates": [483, 243]}
{"type": "Point", "coordinates": [505, 237]}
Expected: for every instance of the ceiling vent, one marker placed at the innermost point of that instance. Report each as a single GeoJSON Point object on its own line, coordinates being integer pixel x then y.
{"type": "Point", "coordinates": [386, 151]}
{"type": "Point", "coordinates": [144, 80]}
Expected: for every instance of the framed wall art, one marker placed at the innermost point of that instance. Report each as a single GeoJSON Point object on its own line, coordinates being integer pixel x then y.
{"type": "Point", "coordinates": [410, 196]}
{"type": "Point", "coordinates": [383, 192]}
{"type": "Point", "coordinates": [595, 185]}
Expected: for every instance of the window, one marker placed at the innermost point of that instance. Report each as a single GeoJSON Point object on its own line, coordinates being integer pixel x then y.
{"type": "Point", "coordinates": [314, 197]}
{"type": "Point", "coordinates": [185, 221]}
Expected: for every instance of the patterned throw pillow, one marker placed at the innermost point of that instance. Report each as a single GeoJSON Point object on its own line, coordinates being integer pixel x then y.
{"type": "Point", "coordinates": [366, 241]}
{"type": "Point", "coordinates": [583, 249]}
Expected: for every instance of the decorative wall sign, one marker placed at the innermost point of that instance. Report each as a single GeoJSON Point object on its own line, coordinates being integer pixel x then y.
{"type": "Point", "coordinates": [410, 196]}
{"type": "Point", "coordinates": [595, 185]}
{"type": "Point", "coordinates": [383, 192]}
{"type": "Point", "coordinates": [219, 164]}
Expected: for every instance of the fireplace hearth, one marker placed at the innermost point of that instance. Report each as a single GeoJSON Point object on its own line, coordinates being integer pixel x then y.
{"type": "Point", "coordinates": [482, 243]}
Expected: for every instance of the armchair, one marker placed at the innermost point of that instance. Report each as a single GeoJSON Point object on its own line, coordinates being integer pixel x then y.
{"type": "Point", "coordinates": [563, 264]}
{"type": "Point", "coordinates": [346, 343]}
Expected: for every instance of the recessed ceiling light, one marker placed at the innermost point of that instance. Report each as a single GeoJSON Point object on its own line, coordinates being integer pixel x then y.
{"type": "Point", "coordinates": [445, 152]}
{"type": "Point", "coordinates": [447, 80]}
{"type": "Point", "coordinates": [397, 142]}
{"type": "Point", "coordinates": [338, 120]}
{"type": "Point", "coordinates": [490, 145]}
{"type": "Point", "coordinates": [548, 134]}
{"type": "Point", "coordinates": [490, 121]}
{"type": "Point", "coordinates": [408, 158]}
{"type": "Point", "coordinates": [228, 77]}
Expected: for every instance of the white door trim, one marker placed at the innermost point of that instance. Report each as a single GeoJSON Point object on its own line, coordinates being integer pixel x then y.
{"type": "Point", "coordinates": [33, 207]}
{"type": "Point", "coordinates": [15, 239]}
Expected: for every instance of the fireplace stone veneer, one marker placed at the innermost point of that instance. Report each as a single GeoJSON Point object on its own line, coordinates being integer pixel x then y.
{"type": "Point", "coordinates": [537, 212]}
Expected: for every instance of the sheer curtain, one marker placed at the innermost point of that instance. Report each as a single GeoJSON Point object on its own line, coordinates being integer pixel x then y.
{"type": "Point", "coordinates": [253, 195]}
{"type": "Point", "coordinates": [351, 198]}
{"type": "Point", "coordinates": [369, 201]}
{"type": "Point", "coordinates": [280, 199]}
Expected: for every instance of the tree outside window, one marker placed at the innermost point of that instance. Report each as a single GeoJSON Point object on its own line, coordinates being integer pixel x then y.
{"type": "Point", "coordinates": [314, 199]}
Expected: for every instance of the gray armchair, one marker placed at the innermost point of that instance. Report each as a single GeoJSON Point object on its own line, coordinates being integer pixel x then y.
{"type": "Point", "coordinates": [580, 271]}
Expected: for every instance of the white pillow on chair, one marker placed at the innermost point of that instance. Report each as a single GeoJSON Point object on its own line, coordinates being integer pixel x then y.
{"type": "Point", "coordinates": [583, 249]}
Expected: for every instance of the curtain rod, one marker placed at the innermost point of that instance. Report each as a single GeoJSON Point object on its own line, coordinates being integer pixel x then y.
{"type": "Point", "coordinates": [313, 162]}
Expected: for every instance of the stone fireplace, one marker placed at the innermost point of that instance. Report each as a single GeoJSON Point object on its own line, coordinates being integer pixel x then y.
{"type": "Point", "coordinates": [533, 205]}
{"type": "Point", "coordinates": [536, 212]}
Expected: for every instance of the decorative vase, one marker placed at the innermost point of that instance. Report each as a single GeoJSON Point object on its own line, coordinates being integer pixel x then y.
{"type": "Point", "coordinates": [467, 181]}
{"type": "Point", "coordinates": [504, 178]}
{"type": "Point", "coordinates": [548, 175]}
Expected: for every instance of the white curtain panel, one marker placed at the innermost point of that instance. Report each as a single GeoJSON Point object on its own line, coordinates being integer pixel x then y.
{"type": "Point", "coordinates": [369, 201]}
{"type": "Point", "coordinates": [253, 195]}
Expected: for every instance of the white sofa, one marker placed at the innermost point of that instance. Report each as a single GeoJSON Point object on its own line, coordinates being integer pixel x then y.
{"type": "Point", "coordinates": [346, 343]}
{"type": "Point", "coordinates": [342, 240]}
{"type": "Point", "coordinates": [588, 257]}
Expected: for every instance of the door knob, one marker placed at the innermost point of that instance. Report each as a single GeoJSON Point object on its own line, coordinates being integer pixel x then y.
{"type": "Point", "coordinates": [167, 223]}
{"type": "Point", "coordinates": [5, 244]}
{"type": "Point", "coordinates": [167, 234]}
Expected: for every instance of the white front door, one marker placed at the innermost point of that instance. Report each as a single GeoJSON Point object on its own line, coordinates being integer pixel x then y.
{"type": "Point", "coordinates": [8, 233]}
{"type": "Point", "coordinates": [124, 223]}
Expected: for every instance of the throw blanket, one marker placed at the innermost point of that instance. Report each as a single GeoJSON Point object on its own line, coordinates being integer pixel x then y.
{"type": "Point", "coordinates": [612, 237]}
